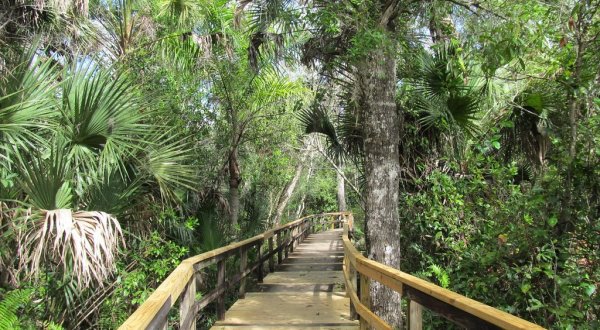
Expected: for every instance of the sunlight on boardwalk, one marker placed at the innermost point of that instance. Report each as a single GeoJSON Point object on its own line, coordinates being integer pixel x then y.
{"type": "Point", "coordinates": [306, 291]}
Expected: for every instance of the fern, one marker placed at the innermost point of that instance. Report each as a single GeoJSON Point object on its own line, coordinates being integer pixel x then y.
{"type": "Point", "coordinates": [9, 305]}
{"type": "Point", "coordinates": [440, 274]}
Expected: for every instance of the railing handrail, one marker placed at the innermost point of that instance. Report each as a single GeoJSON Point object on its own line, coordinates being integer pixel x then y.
{"type": "Point", "coordinates": [421, 293]}
{"type": "Point", "coordinates": [180, 284]}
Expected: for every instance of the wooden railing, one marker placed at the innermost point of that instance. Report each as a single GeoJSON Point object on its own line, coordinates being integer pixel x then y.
{"type": "Point", "coordinates": [359, 271]}
{"type": "Point", "coordinates": [180, 286]}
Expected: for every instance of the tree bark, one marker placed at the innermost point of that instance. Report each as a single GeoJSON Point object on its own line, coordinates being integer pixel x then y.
{"type": "Point", "coordinates": [377, 79]}
{"type": "Point", "coordinates": [301, 204]}
{"type": "Point", "coordinates": [287, 193]}
{"type": "Point", "coordinates": [341, 189]}
{"type": "Point", "coordinates": [234, 188]}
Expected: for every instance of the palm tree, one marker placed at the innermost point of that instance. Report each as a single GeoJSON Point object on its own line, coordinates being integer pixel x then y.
{"type": "Point", "coordinates": [82, 150]}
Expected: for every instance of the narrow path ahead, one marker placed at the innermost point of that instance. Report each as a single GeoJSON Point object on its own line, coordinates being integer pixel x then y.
{"type": "Point", "coordinates": [305, 292]}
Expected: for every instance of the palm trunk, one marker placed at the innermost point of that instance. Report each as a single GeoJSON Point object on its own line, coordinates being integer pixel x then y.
{"type": "Point", "coordinates": [377, 79]}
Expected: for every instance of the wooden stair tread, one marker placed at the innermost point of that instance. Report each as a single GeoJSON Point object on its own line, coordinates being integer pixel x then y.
{"type": "Point", "coordinates": [285, 309]}
{"type": "Point", "coordinates": [305, 277]}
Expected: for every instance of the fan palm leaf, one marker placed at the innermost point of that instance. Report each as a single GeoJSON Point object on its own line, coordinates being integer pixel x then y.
{"type": "Point", "coordinates": [83, 243]}
{"type": "Point", "coordinates": [167, 161]}
{"type": "Point", "coordinates": [101, 116]}
{"type": "Point", "coordinates": [45, 178]}
{"type": "Point", "coordinates": [26, 100]}
{"type": "Point", "coordinates": [442, 94]}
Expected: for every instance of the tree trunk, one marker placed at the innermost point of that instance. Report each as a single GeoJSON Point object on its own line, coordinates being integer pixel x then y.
{"type": "Point", "coordinates": [287, 193]}
{"type": "Point", "coordinates": [234, 188]}
{"type": "Point", "coordinates": [341, 190]}
{"type": "Point", "coordinates": [377, 81]}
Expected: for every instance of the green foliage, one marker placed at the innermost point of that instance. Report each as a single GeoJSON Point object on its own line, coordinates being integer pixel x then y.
{"type": "Point", "coordinates": [153, 258]}
{"type": "Point", "coordinates": [11, 302]}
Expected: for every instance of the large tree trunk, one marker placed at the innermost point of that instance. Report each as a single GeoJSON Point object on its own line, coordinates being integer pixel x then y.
{"type": "Point", "coordinates": [377, 81]}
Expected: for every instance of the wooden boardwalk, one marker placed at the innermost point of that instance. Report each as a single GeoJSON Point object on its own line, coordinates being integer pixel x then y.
{"type": "Point", "coordinates": [305, 292]}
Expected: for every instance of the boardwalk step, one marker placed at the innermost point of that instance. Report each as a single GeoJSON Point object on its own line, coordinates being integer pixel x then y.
{"type": "Point", "coordinates": [305, 309]}
{"type": "Point", "coordinates": [263, 287]}
{"type": "Point", "coordinates": [321, 326]}
{"type": "Point", "coordinates": [311, 259]}
{"type": "Point", "coordinates": [305, 277]}
{"type": "Point", "coordinates": [309, 266]}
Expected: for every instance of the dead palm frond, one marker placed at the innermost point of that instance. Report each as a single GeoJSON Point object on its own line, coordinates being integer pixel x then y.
{"type": "Point", "coordinates": [81, 243]}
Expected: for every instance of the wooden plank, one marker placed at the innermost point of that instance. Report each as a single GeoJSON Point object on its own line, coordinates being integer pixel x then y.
{"type": "Point", "coordinates": [221, 284]}
{"type": "Point", "coordinates": [259, 270]}
{"type": "Point", "coordinates": [363, 266]}
{"type": "Point", "coordinates": [365, 300]}
{"type": "Point", "coordinates": [351, 286]}
{"type": "Point", "coordinates": [302, 308]}
{"type": "Point", "coordinates": [225, 251]}
{"type": "Point", "coordinates": [448, 311]}
{"type": "Point", "coordinates": [243, 269]}
{"type": "Point", "coordinates": [160, 321]}
{"type": "Point", "coordinates": [279, 249]}
{"type": "Point", "coordinates": [415, 315]}
{"type": "Point", "coordinates": [187, 312]}
{"type": "Point", "coordinates": [290, 287]}
{"type": "Point", "coordinates": [315, 326]}
{"type": "Point", "coordinates": [309, 267]}
{"type": "Point", "coordinates": [271, 256]}
{"type": "Point", "coordinates": [305, 277]}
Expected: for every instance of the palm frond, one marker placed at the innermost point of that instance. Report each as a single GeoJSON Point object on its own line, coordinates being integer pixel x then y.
{"type": "Point", "coordinates": [26, 99]}
{"type": "Point", "coordinates": [83, 243]}
{"type": "Point", "coordinates": [167, 161]}
{"type": "Point", "coordinates": [442, 94]}
{"type": "Point", "coordinates": [101, 116]}
{"type": "Point", "coordinates": [45, 179]}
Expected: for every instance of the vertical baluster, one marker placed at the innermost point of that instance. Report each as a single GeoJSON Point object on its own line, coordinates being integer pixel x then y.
{"type": "Point", "coordinates": [271, 256]}
{"type": "Point", "coordinates": [187, 312]}
{"type": "Point", "coordinates": [364, 298]}
{"type": "Point", "coordinates": [243, 266]}
{"type": "Point", "coordinates": [415, 315]}
{"type": "Point", "coordinates": [259, 270]}
{"type": "Point", "coordinates": [292, 239]}
{"type": "Point", "coordinates": [220, 285]}
{"type": "Point", "coordinates": [287, 242]}
{"type": "Point", "coordinates": [279, 248]}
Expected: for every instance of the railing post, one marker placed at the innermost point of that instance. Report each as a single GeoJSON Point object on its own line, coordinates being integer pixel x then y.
{"type": "Point", "coordinates": [259, 270]}
{"type": "Point", "coordinates": [292, 232]}
{"type": "Point", "coordinates": [187, 312]}
{"type": "Point", "coordinates": [287, 243]}
{"type": "Point", "coordinates": [364, 298]}
{"type": "Point", "coordinates": [271, 256]}
{"type": "Point", "coordinates": [221, 284]}
{"type": "Point", "coordinates": [415, 315]}
{"type": "Point", "coordinates": [279, 248]}
{"type": "Point", "coordinates": [243, 266]}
